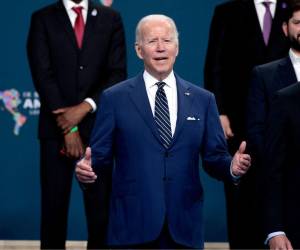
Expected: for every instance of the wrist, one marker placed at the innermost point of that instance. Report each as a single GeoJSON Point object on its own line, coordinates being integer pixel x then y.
{"type": "Point", "coordinates": [73, 130]}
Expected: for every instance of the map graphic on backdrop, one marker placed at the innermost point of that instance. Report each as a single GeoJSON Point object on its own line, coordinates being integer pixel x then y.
{"type": "Point", "coordinates": [19, 107]}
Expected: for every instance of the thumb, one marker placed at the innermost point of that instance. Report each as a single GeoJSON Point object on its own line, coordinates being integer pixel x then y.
{"type": "Point", "coordinates": [58, 111]}
{"type": "Point", "coordinates": [242, 147]}
{"type": "Point", "coordinates": [88, 154]}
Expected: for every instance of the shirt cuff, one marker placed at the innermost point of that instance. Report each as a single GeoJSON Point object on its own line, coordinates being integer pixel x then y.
{"type": "Point", "coordinates": [92, 103]}
{"type": "Point", "coordinates": [271, 235]}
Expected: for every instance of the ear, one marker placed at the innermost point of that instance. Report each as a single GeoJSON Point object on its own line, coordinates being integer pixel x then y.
{"type": "Point", "coordinates": [285, 28]}
{"type": "Point", "coordinates": [138, 50]}
{"type": "Point", "coordinates": [177, 52]}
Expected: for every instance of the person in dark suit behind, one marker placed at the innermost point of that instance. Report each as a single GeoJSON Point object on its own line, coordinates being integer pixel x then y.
{"type": "Point", "coordinates": [75, 50]}
{"type": "Point", "coordinates": [243, 34]}
{"type": "Point", "coordinates": [154, 126]}
{"type": "Point", "coordinates": [280, 169]}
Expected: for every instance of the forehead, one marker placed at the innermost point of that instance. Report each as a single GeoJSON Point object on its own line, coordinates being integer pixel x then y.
{"type": "Point", "coordinates": [296, 15]}
{"type": "Point", "coordinates": [157, 27]}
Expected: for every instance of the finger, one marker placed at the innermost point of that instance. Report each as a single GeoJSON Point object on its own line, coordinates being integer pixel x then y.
{"type": "Point", "coordinates": [242, 147]}
{"type": "Point", "coordinates": [289, 245]}
{"type": "Point", "coordinates": [85, 181]}
{"type": "Point", "coordinates": [88, 155]}
{"type": "Point", "coordinates": [229, 132]}
{"type": "Point", "coordinates": [59, 111]}
{"type": "Point", "coordinates": [86, 176]}
{"type": "Point", "coordinates": [81, 166]}
{"type": "Point", "coordinates": [245, 163]}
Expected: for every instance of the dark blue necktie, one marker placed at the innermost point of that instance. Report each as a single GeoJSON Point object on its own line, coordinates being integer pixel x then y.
{"type": "Point", "coordinates": [162, 115]}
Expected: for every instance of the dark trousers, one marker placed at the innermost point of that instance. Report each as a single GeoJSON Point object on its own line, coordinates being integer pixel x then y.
{"type": "Point", "coordinates": [164, 241]}
{"type": "Point", "coordinates": [244, 213]}
{"type": "Point", "coordinates": [56, 181]}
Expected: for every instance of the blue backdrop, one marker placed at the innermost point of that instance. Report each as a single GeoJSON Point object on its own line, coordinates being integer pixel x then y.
{"type": "Point", "coordinates": [19, 107]}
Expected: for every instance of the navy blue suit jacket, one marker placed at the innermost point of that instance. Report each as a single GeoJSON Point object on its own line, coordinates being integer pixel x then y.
{"type": "Point", "coordinates": [152, 185]}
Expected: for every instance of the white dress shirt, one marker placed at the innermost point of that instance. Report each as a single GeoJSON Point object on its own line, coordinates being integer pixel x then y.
{"type": "Point", "coordinates": [296, 63]}
{"type": "Point", "coordinates": [171, 92]}
{"type": "Point", "coordinates": [261, 9]}
{"type": "Point", "coordinates": [72, 16]}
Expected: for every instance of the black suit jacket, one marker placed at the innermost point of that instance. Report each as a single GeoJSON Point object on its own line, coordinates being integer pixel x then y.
{"type": "Point", "coordinates": [267, 79]}
{"type": "Point", "coordinates": [282, 165]}
{"type": "Point", "coordinates": [235, 46]}
{"type": "Point", "coordinates": [65, 75]}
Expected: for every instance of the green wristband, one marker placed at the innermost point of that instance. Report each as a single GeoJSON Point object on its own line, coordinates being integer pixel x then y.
{"type": "Point", "coordinates": [74, 129]}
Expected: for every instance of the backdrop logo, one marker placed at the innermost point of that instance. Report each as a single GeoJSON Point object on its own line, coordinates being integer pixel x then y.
{"type": "Point", "coordinates": [107, 3]}
{"type": "Point", "coordinates": [19, 106]}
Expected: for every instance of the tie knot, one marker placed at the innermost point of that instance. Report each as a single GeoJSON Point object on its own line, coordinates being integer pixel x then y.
{"type": "Point", "coordinates": [160, 85]}
{"type": "Point", "coordinates": [266, 4]}
{"type": "Point", "coordinates": [77, 10]}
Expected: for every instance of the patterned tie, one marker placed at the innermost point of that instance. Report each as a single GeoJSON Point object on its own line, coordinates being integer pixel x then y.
{"type": "Point", "coordinates": [162, 115]}
{"type": "Point", "coordinates": [79, 25]}
{"type": "Point", "coordinates": [267, 22]}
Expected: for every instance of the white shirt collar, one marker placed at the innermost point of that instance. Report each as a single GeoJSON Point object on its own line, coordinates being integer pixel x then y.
{"type": "Point", "coordinates": [294, 58]}
{"type": "Point", "coordinates": [261, 1]}
{"type": "Point", "coordinates": [151, 81]}
{"type": "Point", "coordinates": [70, 4]}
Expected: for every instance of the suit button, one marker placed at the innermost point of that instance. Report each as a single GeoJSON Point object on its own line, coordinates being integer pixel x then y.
{"type": "Point", "coordinates": [81, 67]}
{"type": "Point", "coordinates": [166, 154]}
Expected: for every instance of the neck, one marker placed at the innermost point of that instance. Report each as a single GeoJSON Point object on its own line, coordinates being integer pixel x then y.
{"type": "Point", "coordinates": [296, 52]}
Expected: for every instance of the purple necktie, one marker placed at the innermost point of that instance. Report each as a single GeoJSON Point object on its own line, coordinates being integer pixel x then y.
{"type": "Point", "coordinates": [267, 22]}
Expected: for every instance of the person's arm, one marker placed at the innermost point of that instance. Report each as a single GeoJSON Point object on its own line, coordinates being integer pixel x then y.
{"type": "Point", "coordinates": [42, 70]}
{"type": "Point", "coordinates": [213, 76]}
{"type": "Point", "coordinates": [274, 160]}
{"type": "Point", "coordinates": [101, 143]}
{"type": "Point", "coordinates": [256, 114]}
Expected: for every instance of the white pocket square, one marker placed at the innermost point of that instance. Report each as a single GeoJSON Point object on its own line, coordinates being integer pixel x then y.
{"type": "Point", "coordinates": [191, 118]}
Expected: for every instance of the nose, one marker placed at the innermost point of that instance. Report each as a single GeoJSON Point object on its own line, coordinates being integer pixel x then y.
{"type": "Point", "coordinates": [160, 46]}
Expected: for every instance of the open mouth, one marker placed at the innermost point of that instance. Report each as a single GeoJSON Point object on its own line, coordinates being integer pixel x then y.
{"type": "Point", "coordinates": [160, 58]}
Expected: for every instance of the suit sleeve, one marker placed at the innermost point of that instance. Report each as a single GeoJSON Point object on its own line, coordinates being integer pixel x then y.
{"type": "Point", "coordinates": [116, 59]}
{"type": "Point", "coordinates": [256, 114]}
{"type": "Point", "coordinates": [215, 156]}
{"type": "Point", "coordinates": [213, 62]}
{"type": "Point", "coordinates": [103, 135]}
{"type": "Point", "coordinates": [272, 172]}
{"type": "Point", "coordinates": [42, 70]}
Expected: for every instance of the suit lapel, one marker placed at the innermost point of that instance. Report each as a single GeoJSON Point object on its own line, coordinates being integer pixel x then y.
{"type": "Point", "coordinates": [252, 23]}
{"type": "Point", "coordinates": [287, 75]}
{"type": "Point", "coordinates": [139, 97]}
{"type": "Point", "coordinates": [64, 21]}
{"type": "Point", "coordinates": [185, 99]}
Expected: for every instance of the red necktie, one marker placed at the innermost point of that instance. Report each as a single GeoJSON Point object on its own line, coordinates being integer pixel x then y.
{"type": "Point", "coordinates": [79, 26]}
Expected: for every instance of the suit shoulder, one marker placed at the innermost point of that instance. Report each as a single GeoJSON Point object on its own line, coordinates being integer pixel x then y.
{"type": "Point", "coordinates": [203, 93]}
{"type": "Point", "coordinates": [271, 65]}
{"type": "Point", "coordinates": [120, 87]}
{"type": "Point", "coordinates": [227, 6]}
{"type": "Point", "coordinates": [104, 10]}
{"type": "Point", "coordinates": [44, 10]}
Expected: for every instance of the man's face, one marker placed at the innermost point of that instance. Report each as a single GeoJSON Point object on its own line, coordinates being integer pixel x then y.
{"type": "Point", "coordinates": [292, 30]}
{"type": "Point", "coordinates": [157, 47]}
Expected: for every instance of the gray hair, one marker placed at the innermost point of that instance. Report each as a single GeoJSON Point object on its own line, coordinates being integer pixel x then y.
{"type": "Point", "coordinates": [155, 17]}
